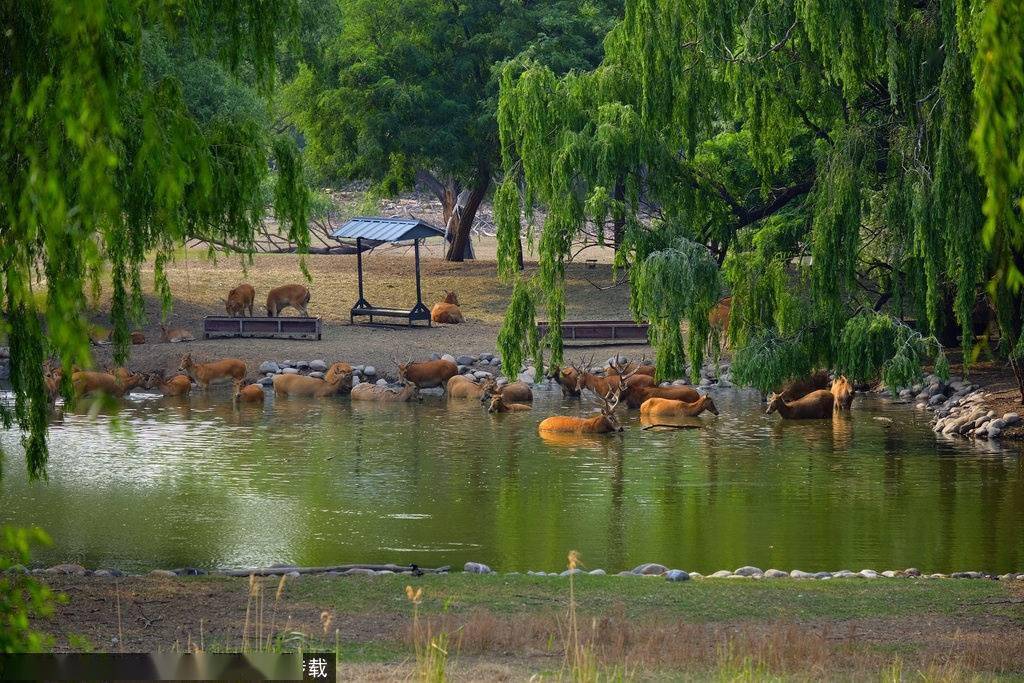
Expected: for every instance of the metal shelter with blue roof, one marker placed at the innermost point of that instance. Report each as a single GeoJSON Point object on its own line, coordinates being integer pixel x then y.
{"type": "Point", "coordinates": [379, 230]}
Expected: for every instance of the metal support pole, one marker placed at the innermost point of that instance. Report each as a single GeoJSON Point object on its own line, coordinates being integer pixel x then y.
{"type": "Point", "coordinates": [416, 248]}
{"type": "Point", "coordinates": [359, 264]}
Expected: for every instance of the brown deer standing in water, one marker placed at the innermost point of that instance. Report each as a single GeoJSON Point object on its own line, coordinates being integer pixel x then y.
{"type": "Point", "coordinates": [205, 373]}
{"type": "Point", "coordinates": [250, 393]}
{"type": "Point", "coordinates": [626, 382]}
{"type": "Point", "coordinates": [798, 388]}
{"type": "Point", "coordinates": [179, 385]}
{"type": "Point", "coordinates": [514, 392]}
{"type": "Point", "coordinates": [427, 374]}
{"type": "Point", "coordinates": [567, 378]}
{"type": "Point", "coordinates": [843, 391]}
{"type": "Point", "coordinates": [337, 380]}
{"type": "Point", "coordinates": [816, 405]}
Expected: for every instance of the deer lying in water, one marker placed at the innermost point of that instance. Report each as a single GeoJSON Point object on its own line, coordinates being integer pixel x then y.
{"type": "Point", "coordinates": [380, 394]}
{"type": "Point", "coordinates": [843, 392]}
{"type": "Point", "coordinates": [461, 386]}
{"type": "Point", "coordinates": [665, 407]}
{"type": "Point", "coordinates": [288, 296]}
{"type": "Point", "coordinates": [240, 299]}
{"type": "Point", "coordinates": [337, 380]}
{"type": "Point", "coordinates": [603, 423]}
{"type": "Point", "coordinates": [204, 374]}
{"type": "Point", "coordinates": [116, 383]}
{"type": "Point", "coordinates": [498, 405]}
{"type": "Point", "coordinates": [179, 385]}
{"type": "Point", "coordinates": [513, 392]}
{"type": "Point", "coordinates": [636, 398]}
{"type": "Point", "coordinates": [816, 405]}
{"type": "Point", "coordinates": [175, 335]}
{"type": "Point", "coordinates": [250, 393]}
{"type": "Point", "coordinates": [567, 379]}
{"type": "Point", "coordinates": [447, 311]}
{"type": "Point", "coordinates": [798, 388]}
{"type": "Point", "coordinates": [427, 374]}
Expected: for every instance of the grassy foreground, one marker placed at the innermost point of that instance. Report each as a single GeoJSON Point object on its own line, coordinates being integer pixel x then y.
{"type": "Point", "coordinates": [504, 627]}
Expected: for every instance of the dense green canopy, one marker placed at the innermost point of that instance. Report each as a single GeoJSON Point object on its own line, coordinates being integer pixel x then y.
{"type": "Point", "coordinates": [126, 128]}
{"type": "Point", "coordinates": [820, 152]}
{"type": "Point", "coordinates": [405, 90]}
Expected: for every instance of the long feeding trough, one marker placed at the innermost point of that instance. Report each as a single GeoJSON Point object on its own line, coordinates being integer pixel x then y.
{"type": "Point", "coordinates": [388, 230]}
{"type": "Point", "coordinates": [594, 332]}
{"type": "Point", "coordinates": [279, 327]}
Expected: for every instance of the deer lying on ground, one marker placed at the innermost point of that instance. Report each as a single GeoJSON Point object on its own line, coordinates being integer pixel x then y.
{"type": "Point", "coordinates": [603, 423]}
{"type": "Point", "coordinates": [179, 385]}
{"type": "Point", "coordinates": [204, 374]}
{"type": "Point", "coordinates": [843, 392]}
{"type": "Point", "coordinates": [814, 406]}
{"type": "Point", "coordinates": [626, 382]}
{"type": "Point", "coordinates": [294, 296]}
{"type": "Point", "coordinates": [513, 392]}
{"type": "Point", "coordinates": [499, 405]}
{"type": "Point", "coordinates": [666, 407]}
{"type": "Point", "coordinates": [250, 393]}
{"type": "Point", "coordinates": [447, 311]}
{"type": "Point", "coordinates": [567, 378]}
{"type": "Point", "coordinates": [337, 380]}
{"type": "Point", "coordinates": [637, 397]}
{"type": "Point", "coordinates": [372, 392]}
{"type": "Point", "coordinates": [798, 388]}
{"type": "Point", "coordinates": [427, 374]}
{"type": "Point", "coordinates": [175, 335]}
{"type": "Point", "coordinates": [240, 299]}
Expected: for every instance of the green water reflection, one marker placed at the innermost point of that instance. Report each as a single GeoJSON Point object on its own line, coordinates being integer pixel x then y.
{"type": "Point", "coordinates": [199, 483]}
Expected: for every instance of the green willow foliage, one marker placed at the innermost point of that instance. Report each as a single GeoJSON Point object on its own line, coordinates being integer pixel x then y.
{"type": "Point", "coordinates": [108, 161]}
{"type": "Point", "coordinates": [833, 157]}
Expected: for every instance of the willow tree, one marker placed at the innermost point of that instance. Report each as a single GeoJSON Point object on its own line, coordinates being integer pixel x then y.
{"type": "Point", "coordinates": [819, 152]}
{"type": "Point", "coordinates": [106, 164]}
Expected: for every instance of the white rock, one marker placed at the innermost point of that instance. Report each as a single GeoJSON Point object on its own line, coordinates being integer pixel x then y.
{"type": "Point", "coordinates": [448, 357]}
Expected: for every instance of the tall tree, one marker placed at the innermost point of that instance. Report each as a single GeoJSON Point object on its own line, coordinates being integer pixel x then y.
{"type": "Point", "coordinates": [818, 150]}
{"type": "Point", "coordinates": [119, 141]}
{"type": "Point", "coordinates": [406, 91]}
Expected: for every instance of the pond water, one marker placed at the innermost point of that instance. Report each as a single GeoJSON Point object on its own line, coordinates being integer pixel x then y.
{"type": "Point", "coordinates": [161, 483]}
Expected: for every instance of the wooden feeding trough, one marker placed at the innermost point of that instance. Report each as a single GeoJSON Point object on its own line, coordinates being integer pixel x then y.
{"type": "Point", "coordinates": [278, 327]}
{"type": "Point", "coordinates": [596, 332]}
{"type": "Point", "coordinates": [394, 230]}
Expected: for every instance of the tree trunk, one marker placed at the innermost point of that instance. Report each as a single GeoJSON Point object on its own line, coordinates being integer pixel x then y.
{"type": "Point", "coordinates": [619, 217]}
{"type": "Point", "coordinates": [460, 220]}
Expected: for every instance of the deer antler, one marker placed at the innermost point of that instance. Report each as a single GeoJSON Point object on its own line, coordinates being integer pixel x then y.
{"type": "Point", "coordinates": [620, 369]}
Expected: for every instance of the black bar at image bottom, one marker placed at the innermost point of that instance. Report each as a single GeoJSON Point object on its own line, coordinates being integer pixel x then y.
{"type": "Point", "coordinates": [168, 667]}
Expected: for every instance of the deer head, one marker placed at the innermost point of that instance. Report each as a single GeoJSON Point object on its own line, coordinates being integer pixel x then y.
{"type": "Point", "coordinates": [607, 404]}
{"type": "Point", "coordinates": [582, 367]}
{"type": "Point", "coordinates": [774, 400]}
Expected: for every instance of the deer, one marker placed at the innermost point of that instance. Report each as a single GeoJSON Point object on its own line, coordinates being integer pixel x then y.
{"type": "Point", "coordinates": [380, 394]}
{"type": "Point", "coordinates": [447, 311]}
{"type": "Point", "coordinates": [52, 378]}
{"type": "Point", "coordinates": [460, 386]}
{"type": "Point", "coordinates": [816, 405]}
{"type": "Point", "coordinates": [641, 368]}
{"type": "Point", "coordinates": [250, 393]}
{"type": "Point", "coordinates": [116, 384]}
{"type": "Point", "coordinates": [719, 317]}
{"type": "Point", "coordinates": [285, 296]}
{"type": "Point", "coordinates": [499, 405]}
{"type": "Point", "coordinates": [603, 423]}
{"type": "Point", "coordinates": [427, 374]}
{"type": "Point", "coordinates": [240, 299]}
{"type": "Point", "coordinates": [627, 382]}
{"type": "Point", "coordinates": [179, 385]}
{"type": "Point", "coordinates": [843, 392]}
{"type": "Point", "coordinates": [666, 407]}
{"type": "Point", "coordinates": [206, 373]}
{"type": "Point", "coordinates": [515, 392]}
{"type": "Point", "coordinates": [566, 377]}
{"type": "Point", "coordinates": [337, 380]}
{"type": "Point", "coordinates": [638, 396]}
{"type": "Point", "coordinates": [798, 388]}
{"type": "Point", "coordinates": [175, 335]}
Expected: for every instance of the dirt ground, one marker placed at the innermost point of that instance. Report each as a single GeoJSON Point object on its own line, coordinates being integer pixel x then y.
{"type": "Point", "coordinates": [198, 283]}
{"type": "Point", "coordinates": [516, 629]}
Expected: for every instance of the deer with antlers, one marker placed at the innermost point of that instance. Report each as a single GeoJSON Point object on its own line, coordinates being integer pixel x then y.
{"type": "Point", "coordinates": [619, 377]}
{"type": "Point", "coordinates": [603, 423]}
